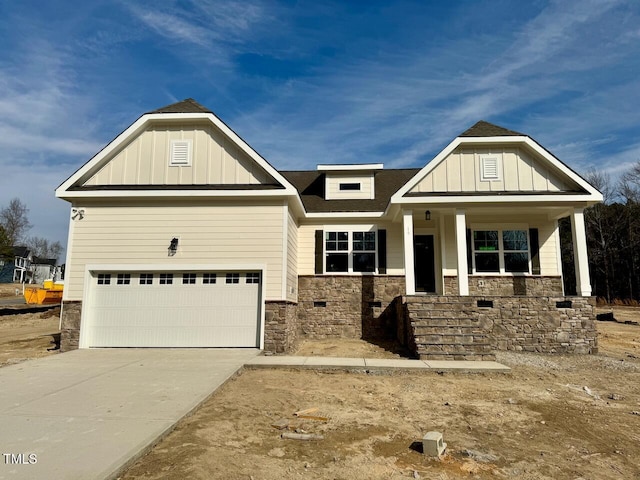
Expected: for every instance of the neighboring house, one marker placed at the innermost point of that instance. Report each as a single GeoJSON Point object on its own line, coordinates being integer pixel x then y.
{"type": "Point", "coordinates": [181, 235]}
{"type": "Point", "coordinates": [18, 268]}
{"type": "Point", "coordinates": [43, 269]}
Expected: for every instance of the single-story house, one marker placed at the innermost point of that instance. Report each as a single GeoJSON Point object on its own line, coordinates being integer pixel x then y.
{"type": "Point", "coordinates": [182, 235]}
{"type": "Point", "coordinates": [17, 268]}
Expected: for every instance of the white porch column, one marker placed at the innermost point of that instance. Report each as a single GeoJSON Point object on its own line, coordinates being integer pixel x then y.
{"type": "Point", "coordinates": [583, 284]}
{"type": "Point", "coordinates": [409, 272]}
{"type": "Point", "coordinates": [461, 247]}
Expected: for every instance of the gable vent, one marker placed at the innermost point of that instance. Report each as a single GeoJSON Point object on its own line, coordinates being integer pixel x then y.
{"type": "Point", "coordinates": [490, 168]}
{"type": "Point", "coordinates": [180, 153]}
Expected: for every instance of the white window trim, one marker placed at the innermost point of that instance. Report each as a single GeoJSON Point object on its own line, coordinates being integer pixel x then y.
{"type": "Point", "coordinates": [484, 163]}
{"type": "Point", "coordinates": [172, 153]}
{"type": "Point", "coordinates": [350, 229]}
{"type": "Point", "coordinates": [500, 227]}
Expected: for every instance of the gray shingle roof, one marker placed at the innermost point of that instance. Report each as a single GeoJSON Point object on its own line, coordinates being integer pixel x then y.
{"type": "Point", "coordinates": [486, 129]}
{"type": "Point", "coordinates": [20, 251]}
{"type": "Point", "coordinates": [188, 105]}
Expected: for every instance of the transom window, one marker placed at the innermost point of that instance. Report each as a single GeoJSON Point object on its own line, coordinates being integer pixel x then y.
{"type": "Point", "coordinates": [166, 278]}
{"type": "Point", "coordinates": [252, 278]}
{"type": "Point", "coordinates": [350, 252]}
{"type": "Point", "coordinates": [208, 278]}
{"type": "Point", "coordinates": [123, 279]}
{"type": "Point", "coordinates": [146, 278]}
{"type": "Point", "coordinates": [501, 251]}
{"type": "Point", "coordinates": [104, 278]}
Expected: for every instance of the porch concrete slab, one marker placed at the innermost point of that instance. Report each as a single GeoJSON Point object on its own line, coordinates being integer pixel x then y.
{"type": "Point", "coordinates": [87, 413]}
{"type": "Point", "coordinates": [334, 362]}
{"type": "Point", "coordinates": [466, 365]}
{"type": "Point", "coordinates": [381, 363]}
{"type": "Point", "coordinates": [394, 363]}
{"type": "Point", "coordinates": [273, 360]}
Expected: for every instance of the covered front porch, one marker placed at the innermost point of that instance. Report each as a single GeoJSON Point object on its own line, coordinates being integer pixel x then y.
{"type": "Point", "coordinates": [494, 250]}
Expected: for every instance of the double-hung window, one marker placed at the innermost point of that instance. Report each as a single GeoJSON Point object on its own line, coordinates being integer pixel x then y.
{"type": "Point", "coordinates": [350, 251]}
{"type": "Point", "coordinates": [501, 251]}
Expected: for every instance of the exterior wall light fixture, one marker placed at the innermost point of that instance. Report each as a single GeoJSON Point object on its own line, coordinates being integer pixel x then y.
{"type": "Point", "coordinates": [173, 246]}
{"type": "Point", "coordinates": [427, 215]}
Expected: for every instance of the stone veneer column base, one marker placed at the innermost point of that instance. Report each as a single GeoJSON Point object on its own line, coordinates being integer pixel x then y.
{"type": "Point", "coordinates": [280, 326]}
{"type": "Point", "coordinates": [70, 331]}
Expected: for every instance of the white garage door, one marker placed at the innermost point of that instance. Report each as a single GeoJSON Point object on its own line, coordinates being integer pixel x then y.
{"type": "Point", "coordinates": [173, 309]}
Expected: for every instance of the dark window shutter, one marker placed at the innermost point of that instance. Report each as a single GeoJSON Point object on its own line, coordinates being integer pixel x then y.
{"type": "Point", "coordinates": [469, 252]}
{"type": "Point", "coordinates": [382, 251]}
{"type": "Point", "coordinates": [535, 251]}
{"type": "Point", "coordinates": [319, 251]}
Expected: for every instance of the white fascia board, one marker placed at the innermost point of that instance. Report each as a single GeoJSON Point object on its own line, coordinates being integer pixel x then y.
{"type": "Point", "coordinates": [171, 193]}
{"type": "Point", "coordinates": [145, 120]}
{"type": "Point", "coordinates": [398, 196]}
{"type": "Point", "coordinates": [358, 215]}
{"type": "Point", "coordinates": [501, 199]}
{"type": "Point", "coordinates": [594, 196]}
{"type": "Point", "coordinates": [350, 167]}
{"type": "Point", "coordinates": [98, 158]}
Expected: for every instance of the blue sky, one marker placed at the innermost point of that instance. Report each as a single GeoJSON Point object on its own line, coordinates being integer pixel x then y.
{"type": "Point", "coordinates": [308, 82]}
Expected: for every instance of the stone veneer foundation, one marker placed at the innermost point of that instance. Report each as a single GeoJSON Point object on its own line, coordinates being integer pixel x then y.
{"type": "Point", "coordinates": [348, 306]}
{"type": "Point", "coordinates": [70, 316]}
{"type": "Point", "coordinates": [533, 286]}
{"type": "Point", "coordinates": [280, 327]}
{"type": "Point", "coordinates": [440, 327]}
{"type": "Point", "coordinates": [373, 307]}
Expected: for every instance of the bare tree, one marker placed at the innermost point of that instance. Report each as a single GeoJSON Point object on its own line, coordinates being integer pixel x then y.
{"type": "Point", "coordinates": [597, 222]}
{"type": "Point", "coordinates": [6, 251]}
{"type": "Point", "coordinates": [15, 221]}
{"type": "Point", "coordinates": [629, 184]}
{"type": "Point", "coordinates": [41, 247]}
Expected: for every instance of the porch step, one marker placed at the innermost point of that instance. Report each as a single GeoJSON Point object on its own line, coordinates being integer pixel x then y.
{"type": "Point", "coordinates": [443, 328]}
{"type": "Point", "coordinates": [459, 339]}
{"type": "Point", "coordinates": [421, 330]}
{"type": "Point", "coordinates": [443, 322]}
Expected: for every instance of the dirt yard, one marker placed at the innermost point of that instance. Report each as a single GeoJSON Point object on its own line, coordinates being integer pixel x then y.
{"type": "Point", "coordinates": [26, 336]}
{"type": "Point", "coordinates": [552, 417]}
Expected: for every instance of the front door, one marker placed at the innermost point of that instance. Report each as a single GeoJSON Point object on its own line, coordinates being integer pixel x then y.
{"type": "Point", "coordinates": [424, 263]}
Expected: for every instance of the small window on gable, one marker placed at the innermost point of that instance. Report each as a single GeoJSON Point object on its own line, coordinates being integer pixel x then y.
{"type": "Point", "coordinates": [350, 186]}
{"type": "Point", "coordinates": [490, 168]}
{"type": "Point", "coordinates": [180, 154]}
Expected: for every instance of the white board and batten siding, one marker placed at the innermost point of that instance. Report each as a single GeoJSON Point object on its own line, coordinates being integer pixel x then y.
{"type": "Point", "coordinates": [510, 169]}
{"type": "Point", "coordinates": [214, 160]}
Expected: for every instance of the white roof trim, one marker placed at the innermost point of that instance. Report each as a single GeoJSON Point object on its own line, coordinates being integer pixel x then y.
{"type": "Point", "coordinates": [352, 167]}
{"type": "Point", "coordinates": [593, 196]}
{"type": "Point", "coordinates": [139, 125]}
{"type": "Point", "coordinates": [158, 193]}
{"type": "Point", "coordinates": [345, 215]}
{"type": "Point", "coordinates": [519, 198]}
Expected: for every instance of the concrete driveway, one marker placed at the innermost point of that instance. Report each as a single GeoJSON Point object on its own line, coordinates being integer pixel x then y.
{"type": "Point", "coordinates": [86, 413]}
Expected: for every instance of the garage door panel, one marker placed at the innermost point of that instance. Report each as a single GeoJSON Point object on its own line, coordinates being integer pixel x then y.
{"type": "Point", "coordinates": [174, 315]}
